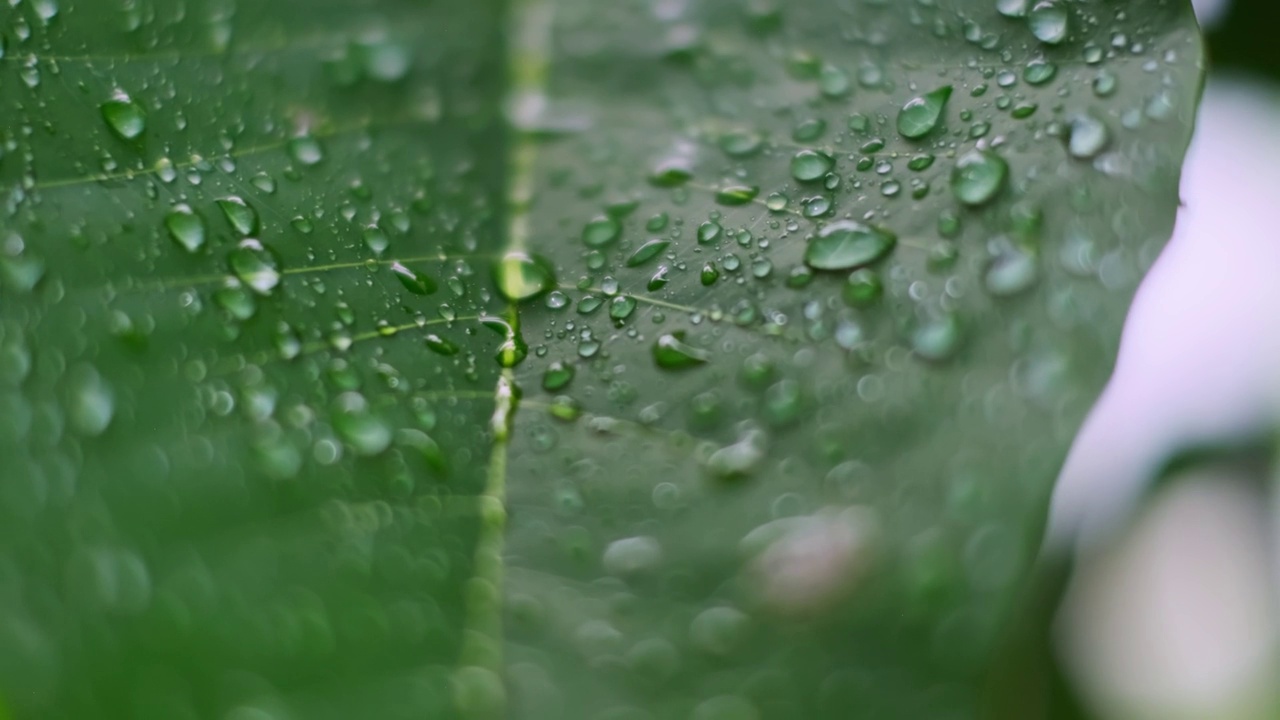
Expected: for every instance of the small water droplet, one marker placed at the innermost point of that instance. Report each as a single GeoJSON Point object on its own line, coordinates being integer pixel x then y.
{"type": "Point", "coordinates": [810, 165]}
{"type": "Point", "coordinates": [1088, 136]}
{"type": "Point", "coordinates": [557, 376]}
{"type": "Point", "coordinates": [648, 251]}
{"type": "Point", "coordinates": [415, 282]}
{"type": "Point", "coordinates": [734, 195]}
{"type": "Point", "coordinates": [601, 231]}
{"type": "Point", "coordinates": [937, 340]}
{"type": "Point", "coordinates": [621, 307]}
{"type": "Point", "coordinates": [306, 150]}
{"type": "Point", "coordinates": [439, 345]}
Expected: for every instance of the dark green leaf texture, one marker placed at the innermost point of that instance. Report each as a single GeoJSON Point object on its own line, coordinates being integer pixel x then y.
{"type": "Point", "coordinates": [276, 445]}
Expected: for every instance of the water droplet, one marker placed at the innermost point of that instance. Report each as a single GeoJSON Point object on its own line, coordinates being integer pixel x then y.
{"type": "Point", "coordinates": [414, 281]}
{"type": "Point", "coordinates": [601, 231]}
{"type": "Point", "coordinates": [709, 232]}
{"type": "Point", "coordinates": [186, 228]}
{"type": "Point", "coordinates": [647, 252]}
{"type": "Point", "coordinates": [1039, 72]}
{"type": "Point", "coordinates": [709, 274]}
{"type": "Point", "coordinates": [240, 215]}
{"type": "Point", "coordinates": [236, 300]}
{"type": "Point", "coordinates": [810, 165]}
{"type": "Point", "coordinates": [736, 461]}
{"type": "Point", "coordinates": [621, 307]}
{"type": "Point", "coordinates": [671, 352]}
{"type": "Point", "coordinates": [520, 277]}
{"type": "Point", "coordinates": [848, 244]}
{"type": "Point", "coordinates": [632, 556]}
{"type": "Point", "coordinates": [1012, 8]}
{"type": "Point", "coordinates": [126, 118]}
{"type": "Point", "coordinates": [978, 176]}
{"type": "Point", "coordinates": [937, 340]}
{"type": "Point", "coordinates": [306, 150]}
{"type": "Point", "coordinates": [1088, 136]}
{"type": "Point", "coordinates": [863, 288]}
{"type": "Point", "coordinates": [1048, 21]}
{"type": "Point", "coordinates": [833, 82]}
{"type": "Point", "coordinates": [90, 401]}
{"type": "Point", "coordinates": [439, 345]}
{"type": "Point", "coordinates": [921, 115]}
{"type": "Point", "coordinates": [734, 195]}
{"type": "Point", "coordinates": [741, 143]}
{"type": "Point", "coordinates": [1012, 271]}
{"type": "Point", "coordinates": [671, 173]}
{"type": "Point", "coordinates": [256, 265]}
{"type": "Point", "coordinates": [558, 376]}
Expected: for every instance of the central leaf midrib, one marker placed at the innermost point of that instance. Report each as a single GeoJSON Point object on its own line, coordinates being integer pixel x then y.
{"type": "Point", "coordinates": [480, 657]}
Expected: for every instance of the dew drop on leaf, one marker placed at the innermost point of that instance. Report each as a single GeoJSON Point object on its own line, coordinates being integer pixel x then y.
{"type": "Point", "coordinates": [978, 176]}
{"type": "Point", "coordinates": [1087, 136]}
{"type": "Point", "coordinates": [125, 117]}
{"type": "Point", "coordinates": [557, 376]}
{"type": "Point", "coordinates": [921, 115]}
{"type": "Point", "coordinates": [256, 265]}
{"type": "Point", "coordinates": [186, 227]}
{"type": "Point", "coordinates": [646, 252]}
{"type": "Point", "coordinates": [671, 352]}
{"type": "Point", "coordinates": [848, 244]}
{"type": "Point", "coordinates": [439, 345]}
{"type": "Point", "coordinates": [601, 231]}
{"type": "Point", "coordinates": [1048, 21]}
{"type": "Point", "coordinates": [810, 165]}
{"type": "Point", "coordinates": [240, 215]}
{"type": "Point", "coordinates": [415, 282]}
{"type": "Point", "coordinates": [520, 277]}
{"type": "Point", "coordinates": [306, 150]}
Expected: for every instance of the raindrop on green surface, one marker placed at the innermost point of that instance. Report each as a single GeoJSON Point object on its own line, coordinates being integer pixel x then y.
{"type": "Point", "coordinates": [709, 232]}
{"type": "Point", "coordinates": [833, 82]}
{"type": "Point", "coordinates": [920, 162]}
{"type": "Point", "coordinates": [863, 288]}
{"type": "Point", "coordinates": [1039, 72]}
{"type": "Point", "coordinates": [1088, 136]}
{"type": "Point", "coordinates": [621, 307]}
{"type": "Point", "coordinates": [306, 150]}
{"type": "Point", "coordinates": [414, 281]}
{"type": "Point", "coordinates": [709, 274]}
{"type": "Point", "coordinates": [236, 300]}
{"type": "Point", "coordinates": [1012, 271]}
{"type": "Point", "coordinates": [520, 277]}
{"type": "Point", "coordinates": [978, 176]}
{"type": "Point", "coordinates": [741, 143]}
{"type": "Point", "coordinates": [1012, 8]}
{"type": "Point", "coordinates": [375, 239]}
{"type": "Point", "coordinates": [256, 265]}
{"type": "Point", "coordinates": [810, 165]}
{"type": "Point", "coordinates": [671, 173]}
{"type": "Point", "coordinates": [734, 195]}
{"type": "Point", "coordinates": [439, 345]}
{"type": "Point", "coordinates": [90, 401]}
{"type": "Point", "coordinates": [240, 215]}
{"type": "Point", "coordinates": [1048, 21]}
{"type": "Point", "coordinates": [648, 251]}
{"type": "Point", "coordinates": [937, 340]}
{"type": "Point", "coordinates": [671, 352]}
{"type": "Point", "coordinates": [848, 244]}
{"type": "Point", "coordinates": [185, 227]}
{"type": "Point", "coordinates": [557, 376]}
{"type": "Point", "coordinates": [513, 350]}
{"type": "Point", "coordinates": [921, 115]}
{"type": "Point", "coordinates": [601, 231]}
{"type": "Point", "coordinates": [125, 117]}
{"type": "Point", "coordinates": [659, 279]}
{"type": "Point", "coordinates": [366, 433]}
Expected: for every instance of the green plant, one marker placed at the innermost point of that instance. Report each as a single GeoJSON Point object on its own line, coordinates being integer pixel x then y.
{"type": "Point", "coordinates": [726, 380]}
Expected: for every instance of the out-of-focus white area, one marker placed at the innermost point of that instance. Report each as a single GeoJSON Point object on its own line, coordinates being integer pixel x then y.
{"type": "Point", "coordinates": [1209, 12]}
{"type": "Point", "coordinates": [1178, 621]}
{"type": "Point", "coordinates": [1200, 358]}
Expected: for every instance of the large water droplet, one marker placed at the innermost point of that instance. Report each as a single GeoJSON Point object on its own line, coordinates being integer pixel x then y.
{"type": "Point", "coordinates": [125, 117]}
{"type": "Point", "coordinates": [848, 244]}
{"type": "Point", "coordinates": [415, 282]}
{"type": "Point", "coordinates": [978, 177]}
{"type": "Point", "coordinates": [1048, 21]}
{"type": "Point", "coordinates": [671, 352]}
{"type": "Point", "coordinates": [921, 115]}
{"type": "Point", "coordinates": [632, 556]}
{"type": "Point", "coordinates": [520, 277]}
{"type": "Point", "coordinates": [240, 215]}
{"type": "Point", "coordinates": [647, 252]}
{"type": "Point", "coordinates": [557, 377]}
{"type": "Point", "coordinates": [185, 227]}
{"type": "Point", "coordinates": [810, 165]}
{"type": "Point", "coordinates": [256, 265]}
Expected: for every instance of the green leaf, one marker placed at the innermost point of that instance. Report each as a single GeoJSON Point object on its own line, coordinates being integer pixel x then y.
{"type": "Point", "coordinates": [308, 407]}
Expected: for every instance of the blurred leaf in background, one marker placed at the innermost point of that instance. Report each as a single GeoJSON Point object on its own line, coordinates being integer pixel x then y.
{"type": "Point", "coordinates": [705, 359]}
